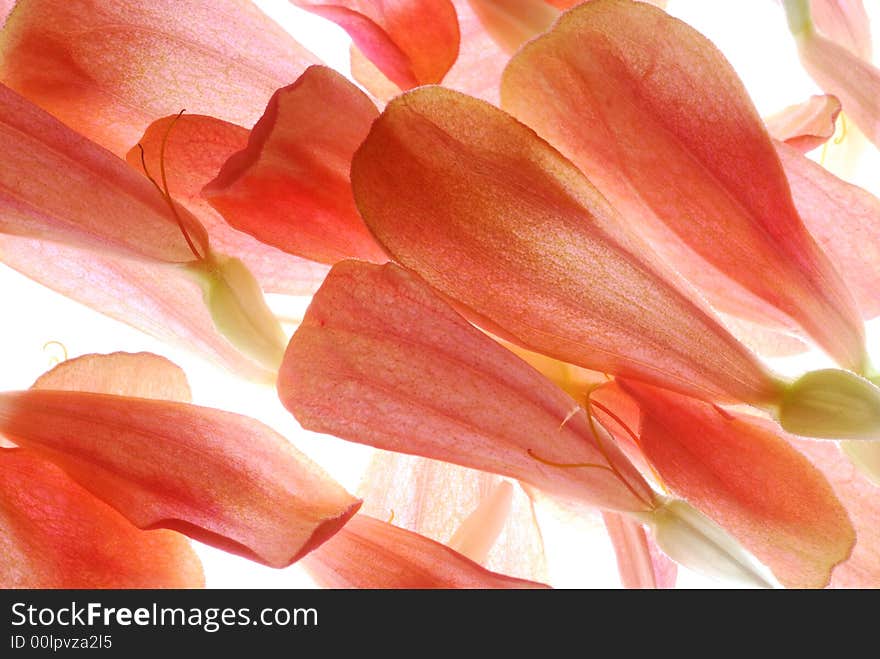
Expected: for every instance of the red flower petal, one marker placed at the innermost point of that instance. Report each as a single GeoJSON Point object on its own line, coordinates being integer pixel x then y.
{"type": "Point", "coordinates": [742, 472]}
{"type": "Point", "coordinates": [435, 498]}
{"type": "Point", "coordinates": [413, 42]}
{"type": "Point", "coordinates": [496, 219]}
{"type": "Point", "coordinates": [367, 553]}
{"type": "Point", "coordinates": [140, 375]}
{"type": "Point", "coordinates": [54, 534]}
{"type": "Point", "coordinates": [806, 125]}
{"type": "Point", "coordinates": [657, 118]}
{"type": "Point", "coordinates": [195, 151]}
{"type": "Point", "coordinates": [844, 219]}
{"type": "Point", "coordinates": [159, 300]}
{"type": "Point", "coordinates": [219, 477]}
{"type": "Point", "coordinates": [381, 360]}
{"type": "Point", "coordinates": [108, 69]}
{"type": "Point", "coordinates": [290, 186]}
{"type": "Point", "coordinates": [640, 563]}
{"type": "Point", "coordinates": [859, 496]}
{"type": "Point", "coordinates": [56, 185]}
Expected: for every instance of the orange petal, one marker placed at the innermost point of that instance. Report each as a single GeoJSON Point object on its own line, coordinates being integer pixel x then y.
{"type": "Point", "coordinates": [435, 498]}
{"type": "Point", "coordinates": [290, 186]}
{"type": "Point", "coordinates": [742, 472]}
{"type": "Point", "coordinates": [853, 80]}
{"type": "Point", "coordinates": [54, 534]}
{"type": "Point", "coordinates": [652, 112]}
{"type": "Point", "coordinates": [806, 125]}
{"type": "Point", "coordinates": [365, 73]}
{"type": "Point", "coordinates": [367, 553]}
{"type": "Point", "coordinates": [195, 151]}
{"type": "Point", "coordinates": [379, 359]}
{"type": "Point", "coordinates": [859, 496]}
{"type": "Point", "coordinates": [108, 69]}
{"type": "Point", "coordinates": [157, 299]}
{"type": "Point", "coordinates": [496, 219]}
{"type": "Point", "coordinates": [219, 477]}
{"type": "Point", "coordinates": [844, 219]}
{"type": "Point", "coordinates": [845, 22]}
{"type": "Point", "coordinates": [413, 42]}
{"type": "Point", "coordinates": [639, 561]}
{"type": "Point", "coordinates": [140, 375]}
{"type": "Point", "coordinates": [56, 185]}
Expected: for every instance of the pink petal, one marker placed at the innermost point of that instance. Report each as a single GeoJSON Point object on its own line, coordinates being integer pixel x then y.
{"type": "Point", "coordinates": [806, 125]}
{"type": "Point", "coordinates": [157, 299]}
{"type": "Point", "coordinates": [413, 42]}
{"type": "Point", "coordinates": [219, 477]}
{"type": "Point", "coordinates": [677, 147]}
{"type": "Point", "coordinates": [367, 553]}
{"type": "Point", "coordinates": [196, 149]}
{"type": "Point", "coordinates": [742, 472]}
{"type": "Point", "coordinates": [853, 80]}
{"type": "Point", "coordinates": [845, 22]}
{"type": "Point", "coordinates": [496, 219]}
{"type": "Point", "coordinates": [290, 186]}
{"type": "Point", "coordinates": [379, 359]}
{"type": "Point", "coordinates": [56, 185]}
{"type": "Point", "coordinates": [108, 69]}
{"type": "Point", "coordinates": [54, 534]}
{"type": "Point", "coordinates": [844, 219]}
{"type": "Point", "coordinates": [140, 375]}
{"type": "Point", "coordinates": [640, 564]}
{"type": "Point", "coordinates": [434, 498]}
{"type": "Point", "coordinates": [859, 496]}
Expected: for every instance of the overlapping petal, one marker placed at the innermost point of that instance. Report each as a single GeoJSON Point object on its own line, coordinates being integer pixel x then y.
{"type": "Point", "coordinates": [55, 534]}
{"type": "Point", "coordinates": [290, 186]}
{"type": "Point", "coordinates": [640, 563]}
{"type": "Point", "coordinates": [845, 22]}
{"type": "Point", "coordinates": [492, 216]}
{"type": "Point", "coordinates": [381, 360]}
{"type": "Point", "coordinates": [57, 185]}
{"type": "Point", "coordinates": [196, 149]}
{"type": "Point", "coordinates": [368, 553]}
{"type": "Point", "coordinates": [219, 477]}
{"type": "Point", "coordinates": [109, 69]}
{"type": "Point", "coordinates": [462, 508]}
{"type": "Point", "coordinates": [743, 473]}
{"type": "Point", "coordinates": [158, 299]}
{"type": "Point", "coordinates": [655, 116]}
{"type": "Point", "coordinates": [806, 125]}
{"type": "Point", "coordinates": [413, 42]}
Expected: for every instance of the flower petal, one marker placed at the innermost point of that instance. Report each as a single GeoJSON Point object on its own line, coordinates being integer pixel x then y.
{"type": "Point", "coordinates": [853, 80]}
{"type": "Point", "coordinates": [435, 498]}
{"type": "Point", "coordinates": [845, 22]}
{"type": "Point", "coordinates": [195, 151]}
{"type": "Point", "coordinates": [290, 186]}
{"type": "Point", "coordinates": [499, 221]}
{"type": "Point", "coordinates": [57, 185]}
{"type": "Point", "coordinates": [413, 42]}
{"type": "Point", "coordinates": [54, 534]}
{"type": "Point", "coordinates": [742, 472]}
{"type": "Point", "coordinates": [859, 496]}
{"type": "Point", "coordinates": [158, 299]}
{"type": "Point", "coordinates": [806, 125]}
{"type": "Point", "coordinates": [108, 69]}
{"type": "Point", "coordinates": [652, 112]}
{"type": "Point", "coordinates": [140, 375]}
{"type": "Point", "coordinates": [367, 553]}
{"type": "Point", "coordinates": [844, 219]}
{"type": "Point", "coordinates": [219, 477]}
{"type": "Point", "coordinates": [379, 359]}
{"type": "Point", "coordinates": [640, 563]}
